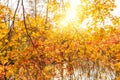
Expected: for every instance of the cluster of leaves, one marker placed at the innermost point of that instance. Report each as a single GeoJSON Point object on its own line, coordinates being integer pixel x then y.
{"type": "Point", "coordinates": [33, 50]}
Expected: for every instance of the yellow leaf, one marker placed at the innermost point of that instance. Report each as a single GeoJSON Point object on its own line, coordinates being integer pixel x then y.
{"type": "Point", "coordinates": [6, 40]}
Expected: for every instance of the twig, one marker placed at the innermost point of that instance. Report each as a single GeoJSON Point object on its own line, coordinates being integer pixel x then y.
{"type": "Point", "coordinates": [24, 19]}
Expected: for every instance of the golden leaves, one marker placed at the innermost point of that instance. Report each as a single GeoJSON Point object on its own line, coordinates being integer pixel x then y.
{"type": "Point", "coordinates": [117, 66]}
{"type": "Point", "coordinates": [46, 46]}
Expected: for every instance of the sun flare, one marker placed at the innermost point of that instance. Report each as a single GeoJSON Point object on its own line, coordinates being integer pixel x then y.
{"type": "Point", "coordinates": [71, 13]}
{"type": "Point", "coordinates": [74, 3]}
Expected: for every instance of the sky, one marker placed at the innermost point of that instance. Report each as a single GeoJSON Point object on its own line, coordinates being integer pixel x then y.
{"type": "Point", "coordinates": [13, 3]}
{"type": "Point", "coordinates": [117, 9]}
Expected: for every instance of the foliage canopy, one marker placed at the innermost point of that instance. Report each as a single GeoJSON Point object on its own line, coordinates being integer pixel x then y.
{"type": "Point", "coordinates": [41, 48]}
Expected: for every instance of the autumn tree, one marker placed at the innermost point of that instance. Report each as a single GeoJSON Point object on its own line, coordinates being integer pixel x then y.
{"type": "Point", "coordinates": [51, 45]}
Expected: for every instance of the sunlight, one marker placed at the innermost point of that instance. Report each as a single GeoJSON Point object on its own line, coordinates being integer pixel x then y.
{"type": "Point", "coordinates": [70, 13]}
{"type": "Point", "coordinates": [71, 16]}
{"type": "Point", "coordinates": [74, 3]}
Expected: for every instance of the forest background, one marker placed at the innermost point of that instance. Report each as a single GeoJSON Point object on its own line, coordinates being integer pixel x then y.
{"type": "Point", "coordinates": [59, 39]}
